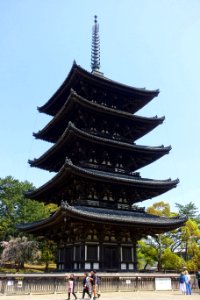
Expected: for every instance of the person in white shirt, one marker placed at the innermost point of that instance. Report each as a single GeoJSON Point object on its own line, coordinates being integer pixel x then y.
{"type": "Point", "coordinates": [188, 283]}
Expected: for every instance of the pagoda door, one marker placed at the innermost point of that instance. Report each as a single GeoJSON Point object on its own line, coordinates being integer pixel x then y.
{"type": "Point", "coordinates": [111, 259]}
{"type": "Point", "coordinates": [68, 258]}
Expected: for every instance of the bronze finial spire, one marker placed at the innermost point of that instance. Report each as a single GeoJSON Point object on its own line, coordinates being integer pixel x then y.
{"type": "Point", "coordinates": [95, 57]}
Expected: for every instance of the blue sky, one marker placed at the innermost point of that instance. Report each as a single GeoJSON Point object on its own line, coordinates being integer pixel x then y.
{"type": "Point", "coordinates": [144, 43]}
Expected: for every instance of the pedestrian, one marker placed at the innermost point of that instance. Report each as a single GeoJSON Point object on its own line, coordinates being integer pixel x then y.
{"type": "Point", "coordinates": [182, 283]}
{"type": "Point", "coordinates": [71, 286]}
{"type": "Point", "coordinates": [198, 279]}
{"type": "Point", "coordinates": [86, 285]}
{"type": "Point", "coordinates": [95, 284]}
{"type": "Point", "coordinates": [188, 283]}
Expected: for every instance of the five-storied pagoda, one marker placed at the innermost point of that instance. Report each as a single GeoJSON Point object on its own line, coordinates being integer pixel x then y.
{"type": "Point", "coordinates": [97, 186]}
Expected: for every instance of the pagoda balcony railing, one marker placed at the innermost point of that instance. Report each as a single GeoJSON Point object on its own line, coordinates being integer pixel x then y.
{"type": "Point", "coordinates": [108, 135]}
{"type": "Point", "coordinates": [109, 168]}
{"type": "Point", "coordinates": [108, 205]}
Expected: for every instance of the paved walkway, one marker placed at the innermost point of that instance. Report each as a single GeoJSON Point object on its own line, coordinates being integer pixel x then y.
{"type": "Point", "coordinates": [155, 295]}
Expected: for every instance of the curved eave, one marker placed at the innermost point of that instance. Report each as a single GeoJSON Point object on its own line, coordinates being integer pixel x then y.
{"type": "Point", "coordinates": [130, 219]}
{"type": "Point", "coordinates": [74, 98]}
{"type": "Point", "coordinates": [73, 131]}
{"type": "Point", "coordinates": [76, 73]}
{"type": "Point", "coordinates": [68, 169]}
{"type": "Point", "coordinates": [112, 111]}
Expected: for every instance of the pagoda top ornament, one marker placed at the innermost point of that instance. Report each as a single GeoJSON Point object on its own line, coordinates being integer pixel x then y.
{"type": "Point", "coordinates": [95, 53]}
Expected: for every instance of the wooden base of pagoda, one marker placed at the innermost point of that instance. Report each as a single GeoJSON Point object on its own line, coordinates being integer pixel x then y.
{"type": "Point", "coordinates": [103, 248]}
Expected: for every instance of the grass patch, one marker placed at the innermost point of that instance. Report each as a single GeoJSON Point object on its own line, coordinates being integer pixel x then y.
{"type": "Point", "coordinates": [28, 268]}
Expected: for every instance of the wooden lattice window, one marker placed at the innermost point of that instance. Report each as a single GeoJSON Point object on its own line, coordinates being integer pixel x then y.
{"type": "Point", "coordinates": [126, 254]}
{"type": "Point", "coordinates": [92, 252]}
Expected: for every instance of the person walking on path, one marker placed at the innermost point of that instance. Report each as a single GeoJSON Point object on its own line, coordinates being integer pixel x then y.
{"type": "Point", "coordinates": [188, 283]}
{"type": "Point", "coordinates": [182, 283]}
{"type": "Point", "coordinates": [198, 279]}
{"type": "Point", "coordinates": [95, 285]}
{"type": "Point", "coordinates": [86, 286]}
{"type": "Point", "coordinates": [71, 286]}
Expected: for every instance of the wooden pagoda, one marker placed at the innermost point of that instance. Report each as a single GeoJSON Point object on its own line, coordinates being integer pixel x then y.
{"type": "Point", "coordinates": [95, 158]}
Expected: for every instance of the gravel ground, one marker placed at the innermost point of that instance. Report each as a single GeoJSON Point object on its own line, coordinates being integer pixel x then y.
{"type": "Point", "coordinates": [155, 295]}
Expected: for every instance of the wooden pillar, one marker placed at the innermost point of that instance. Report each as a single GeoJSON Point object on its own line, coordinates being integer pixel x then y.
{"type": "Point", "coordinates": [101, 234]}
{"type": "Point", "coordinates": [135, 255]}
{"type": "Point", "coordinates": [118, 236]}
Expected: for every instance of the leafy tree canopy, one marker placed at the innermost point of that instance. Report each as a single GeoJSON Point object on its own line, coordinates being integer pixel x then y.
{"type": "Point", "coordinates": [171, 261]}
{"type": "Point", "coordinates": [146, 254]}
{"type": "Point", "coordinates": [190, 210]}
{"type": "Point", "coordinates": [176, 248]}
{"type": "Point", "coordinates": [167, 240]}
{"type": "Point", "coordinates": [15, 208]}
{"type": "Point", "coordinates": [48, 252]}
{"type": "Point", "coordinates": [160, 209]}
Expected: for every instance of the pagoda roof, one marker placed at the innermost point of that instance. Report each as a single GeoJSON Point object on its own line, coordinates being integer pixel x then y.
{"type": "Point", "coordinates": [140, 188]}
{"type": "Point", "coordinates": [77, 75]}
{"type": "Point", "coordinates": [65, 143]}
{"type": "Point", "coordinates": [142, 221]}
{"type": "Point", "coordinates": [52, 131]}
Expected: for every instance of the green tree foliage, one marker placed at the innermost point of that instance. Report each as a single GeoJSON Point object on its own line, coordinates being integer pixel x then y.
{"type": "Point", "coordinates": [171, 261]}
{"type": "Point", "coordinates": [193, 264]}
{"type": "Point", "coordinates": [15, 208]}
{"type": "Point", "coordinates": [146, 255]}
{"type": "Point", "coordinates": [48, 252]}
{"type": "Point", "coordinates": [159, 244]}
{"type": "Point", "coordinates": [190, 236]}
{"type": "Point", "coordinates": [190, 210]}
{"type": "Point", "coordinates": [161, 209]}
{"type": "Point", "coordinates": [156, 245]}
{"type": "Point", "coordinates": [20, 250]}
{"type": "Point", "coordinates": [174, 249]}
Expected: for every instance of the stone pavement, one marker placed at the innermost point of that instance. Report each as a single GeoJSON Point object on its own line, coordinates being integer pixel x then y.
{"type": "Point", "coordinates": [138, 295]}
